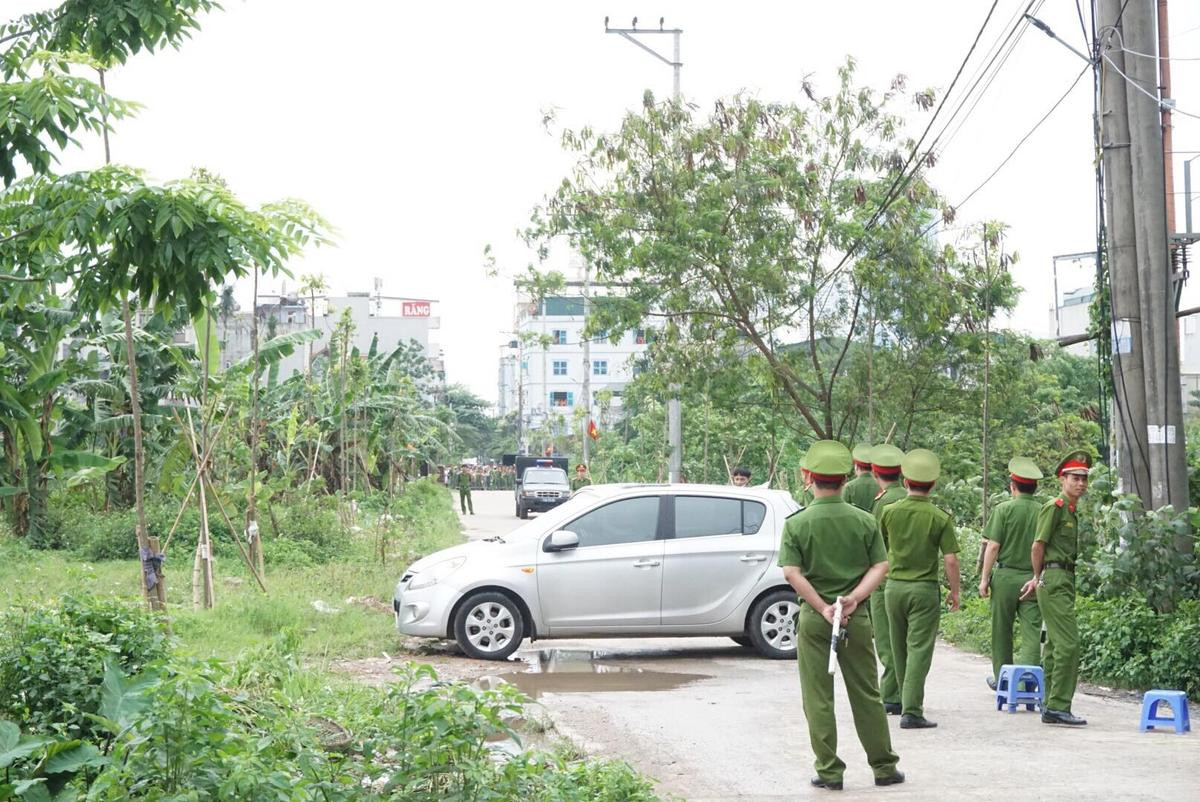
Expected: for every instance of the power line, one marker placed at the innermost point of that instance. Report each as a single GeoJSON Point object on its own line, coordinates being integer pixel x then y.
{"type": "Point", "coordinates": [1083, 25]}
{"type": "Point", "coordinates": [1148, 93]}
{"type": "Point", "coordinates": [1014, 36]}
{"type": "Point", "coordinates": [903, 177]}
{"type": "Point", "coordinates": [1160, 58]}
{"type": "Point", "coordinates": [1030, 133]}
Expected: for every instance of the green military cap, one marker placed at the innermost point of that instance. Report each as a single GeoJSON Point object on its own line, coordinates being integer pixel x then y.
{"type": "Point", "coordinates": [886, 456]}
{"type": "Point", "coordinates": [1075, 462]}
{"type": "Point", "coordinates": [921, 465]}
{"type": "Point", "coordinates": [1025, 469]}
{"type": "Point", "coordinates": [828, 459]}
{"type": "Point", "coordinates": [862, 454]}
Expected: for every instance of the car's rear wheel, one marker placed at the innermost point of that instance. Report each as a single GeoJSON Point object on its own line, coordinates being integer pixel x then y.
{"type": "Point", "coordinates": [489, 626]}
{"type": "Point", "coordinates": [743, 641]}
{"type": "Point", "coordinates": [772, 628]}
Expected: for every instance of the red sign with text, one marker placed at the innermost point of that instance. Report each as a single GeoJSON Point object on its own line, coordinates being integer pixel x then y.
{"type": "Point", "coordinates": [415, 309]}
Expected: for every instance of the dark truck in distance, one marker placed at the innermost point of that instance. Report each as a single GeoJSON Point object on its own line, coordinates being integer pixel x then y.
{"type": "Point", "coordinates": [541, 483]}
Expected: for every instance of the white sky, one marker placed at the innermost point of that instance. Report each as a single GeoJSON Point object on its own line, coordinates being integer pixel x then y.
{"type": "Point", "coordinates": [417, 128]}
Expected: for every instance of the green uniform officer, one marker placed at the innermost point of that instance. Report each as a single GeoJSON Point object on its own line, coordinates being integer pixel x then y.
{"type": "Point", "coordinates": [885, 468]}
{"type": "Point", "coordinates": [464, 490]}
{"type": "Point", "coordinates": [1009, 533]}
{"type": "Point", "coordinates": [862, 489]}
{"type": "Point", "coordinates": [804, 495]}
{"type": "Point", "coordinates": [830, 551]}
{"type": "Point", "coordinates": [916, 532]}
{"type": "Point", "coordinates": [1055, 548]}
{"type": "Point", "coordinates": [582, 477]}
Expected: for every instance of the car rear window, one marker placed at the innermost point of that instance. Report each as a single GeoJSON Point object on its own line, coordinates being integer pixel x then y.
{"type": "Point", "coordinates": [705, 516]}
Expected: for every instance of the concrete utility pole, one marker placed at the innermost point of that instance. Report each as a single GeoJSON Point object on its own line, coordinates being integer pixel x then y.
{"type": "Point", "coordinates": [674, 409]}
{"type": "Point", "coordinates": [1146, 347]}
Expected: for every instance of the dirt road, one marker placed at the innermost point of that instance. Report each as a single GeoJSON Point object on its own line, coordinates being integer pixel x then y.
{"type": "Point", "coordinates": [712, 721]}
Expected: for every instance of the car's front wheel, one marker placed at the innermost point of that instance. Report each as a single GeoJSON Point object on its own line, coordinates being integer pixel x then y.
{"type": "Point", "coordinates": [772, 627]}
{"type": "Point", "coordinates": [489, 626]}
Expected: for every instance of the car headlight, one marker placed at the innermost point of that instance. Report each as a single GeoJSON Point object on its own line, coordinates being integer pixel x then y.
{"type": "Point", "coordinates": [438, 572]}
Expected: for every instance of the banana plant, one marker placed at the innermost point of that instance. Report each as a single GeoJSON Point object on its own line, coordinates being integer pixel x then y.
{"type": "Point", "coordinates": [38, 364]}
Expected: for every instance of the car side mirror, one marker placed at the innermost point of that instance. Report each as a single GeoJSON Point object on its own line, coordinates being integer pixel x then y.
{"type": "Point", "coordinates": [561, 541]}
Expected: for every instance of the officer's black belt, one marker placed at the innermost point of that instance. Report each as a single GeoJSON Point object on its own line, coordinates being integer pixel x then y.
{"type": "Point", "coordinates": [1068, 567]}
{"type": "Point", "coordinates": [1013, 567]}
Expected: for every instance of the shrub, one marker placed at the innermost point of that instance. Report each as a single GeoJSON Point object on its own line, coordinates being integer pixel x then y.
{"type": "Point", "coordinates": [970, 627]}
{"type": "Point", "coordinates": [52, 658]}
{"type": "Point", "coordinates": [189, 738]}
{"type": "Point", "coordinates": [290, 553]}
{"type": "Point", "coordinates": [1126, 643]}
{"type": "Point", "coordinates": [1123, 642]}
{"type": "Point", "coordinates": [313, 525]}
{"type": "Point", "coordinates": [113, 535]}
{"type": "Point", "coordinates": [1134, 552]}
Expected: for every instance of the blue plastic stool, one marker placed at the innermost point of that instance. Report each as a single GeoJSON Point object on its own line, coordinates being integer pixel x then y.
{"type": "Point", "coordinates": [1177, 700]}
{"type": "Point", "coordinates": [1013, 687]}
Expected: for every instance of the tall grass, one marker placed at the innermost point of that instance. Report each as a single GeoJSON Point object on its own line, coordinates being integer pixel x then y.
{"type": "Point", "coordinates": [419, 522]}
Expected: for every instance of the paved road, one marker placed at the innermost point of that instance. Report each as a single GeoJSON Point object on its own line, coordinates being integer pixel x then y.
{"type": "Point", "coordinates": [734, 729]}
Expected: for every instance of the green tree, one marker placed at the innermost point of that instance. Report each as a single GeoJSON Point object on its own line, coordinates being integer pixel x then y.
{"type": "Point", "coordinates": [109, 232]}
{"type": "Point", "coordinates": [769, 228]}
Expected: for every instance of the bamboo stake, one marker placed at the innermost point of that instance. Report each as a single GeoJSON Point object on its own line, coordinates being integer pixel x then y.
{"type": "Point", "coordinates": [221, 506]}
{"type": "Point", "coordinates": [204, 542]}
{"type": "Point", "coordinates": [203, 463]}
{"type": "Point", "coordinates": [236, 538]}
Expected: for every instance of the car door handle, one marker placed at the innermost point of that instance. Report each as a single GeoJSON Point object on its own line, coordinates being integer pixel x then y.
{"type": "Point", "coordinates": [646, 563]}
{"type": "Point", "coordinates": [752, 558]}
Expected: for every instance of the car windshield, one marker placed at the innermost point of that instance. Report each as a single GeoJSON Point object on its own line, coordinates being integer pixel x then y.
{"type": "Point", "coordinates": [545, 476]}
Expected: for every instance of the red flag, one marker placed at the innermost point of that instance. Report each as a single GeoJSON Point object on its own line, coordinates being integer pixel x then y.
{"type": "Point", "coordinates": [593, 430]}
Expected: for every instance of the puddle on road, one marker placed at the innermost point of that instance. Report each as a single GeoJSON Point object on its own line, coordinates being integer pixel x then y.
{"type": "Point", "coordinates": [568, 671]}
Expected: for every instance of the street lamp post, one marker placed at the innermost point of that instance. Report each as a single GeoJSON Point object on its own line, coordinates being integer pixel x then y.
{"type": "Point", "coordinates": [674, 410]}
{"type": "Point", "coordinates": [629, 33]}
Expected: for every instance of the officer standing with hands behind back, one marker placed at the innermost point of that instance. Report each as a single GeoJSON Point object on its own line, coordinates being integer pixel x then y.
{"type": "Point", "coordinates": [862, 489]}
{"type": "Point", "coordinates": [916, 531]}
{"type": "Point", "coordinates": [885, 468]}
{"type": "Point", "coordinates": [830, 551]}
{"type": "Point", "coordinates": [1055, 548]}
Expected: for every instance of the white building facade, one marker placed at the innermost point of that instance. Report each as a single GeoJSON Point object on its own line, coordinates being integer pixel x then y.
{"type": "Point", "coordinates": [1072, 317]}
{"type": "Point", "coordinates": [542, 372]}
{"type": "Point", "coordinates": [392, 320]}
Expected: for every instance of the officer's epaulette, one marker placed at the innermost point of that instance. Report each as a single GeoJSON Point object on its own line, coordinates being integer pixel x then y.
{"type": "Point", "coordinates": [1058, 502]}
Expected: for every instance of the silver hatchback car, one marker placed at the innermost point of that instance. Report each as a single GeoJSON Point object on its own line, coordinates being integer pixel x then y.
{"type": "Point", "coordinates": [615, 561]}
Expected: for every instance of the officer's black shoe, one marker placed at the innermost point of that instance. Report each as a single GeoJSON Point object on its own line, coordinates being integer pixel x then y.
{"type": "Point", "coordinates": [892, 779]}
{"type": "Point", "coordinates": [1062, 717]}
{"type": "Point", "coordinates": [910, 722]}
{"type": "Point", "coordinates": [891, 708]}
{"type": "Point", "coordinates": [991, 681]}
{"type": "Point", "coordinates": [828, 785]}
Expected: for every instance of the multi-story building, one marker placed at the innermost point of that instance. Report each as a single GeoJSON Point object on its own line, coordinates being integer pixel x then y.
{"type": "Point", "coordinates": [392, 320]}
{"type": "Point", "coordinates": [543, 371]}
{"type": "Point", "coordinates": [1072, 317]}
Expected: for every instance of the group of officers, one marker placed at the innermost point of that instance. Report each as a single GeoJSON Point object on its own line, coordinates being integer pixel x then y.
{"type": "Point", "coordinates": [874, 542]}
